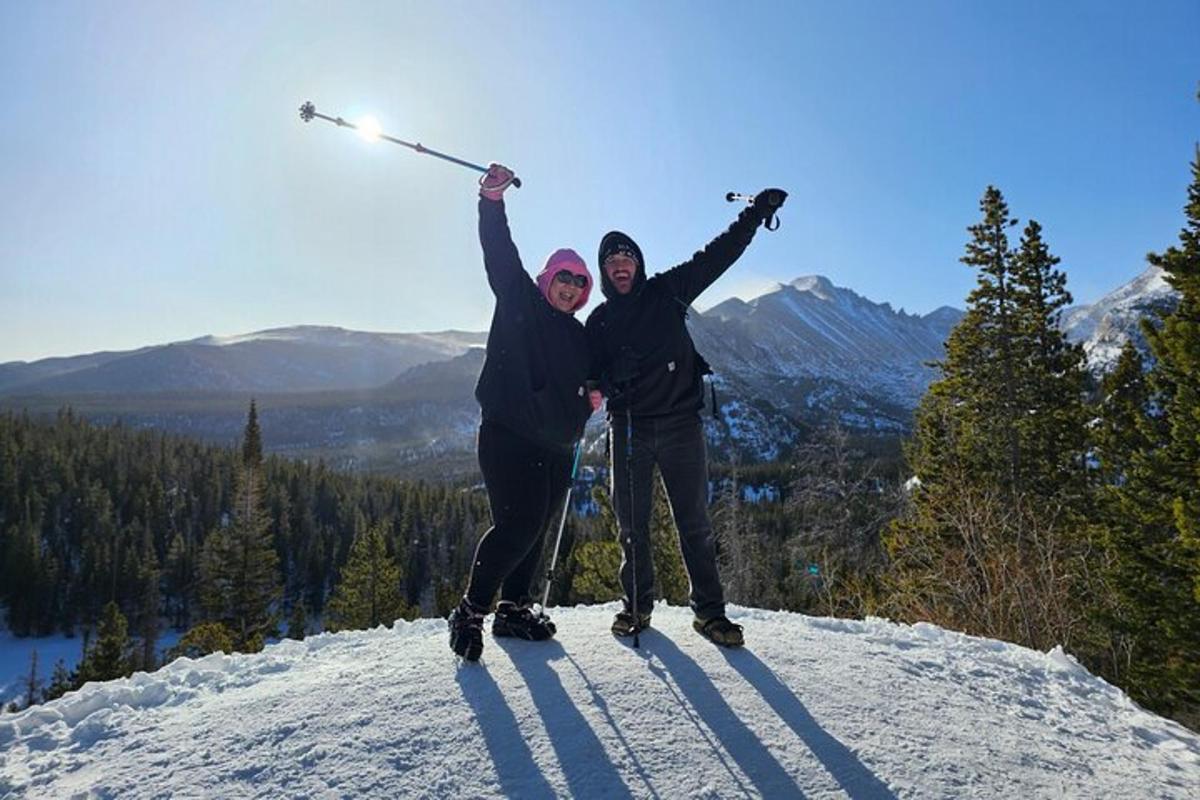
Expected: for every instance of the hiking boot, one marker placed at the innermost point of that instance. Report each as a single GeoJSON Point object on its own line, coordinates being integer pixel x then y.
{"type": "Point", "coordinates": [720, 630]}
{"type": "Point", "coordinates": [466, 630]}
{"type": "Point", "coordinates": [521, 622]}
{"type": "Point", "coordinates": [624, 624]}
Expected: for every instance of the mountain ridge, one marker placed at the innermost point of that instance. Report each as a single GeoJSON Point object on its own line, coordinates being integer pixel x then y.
{"type": "Point", "coordinates": [801, 355]}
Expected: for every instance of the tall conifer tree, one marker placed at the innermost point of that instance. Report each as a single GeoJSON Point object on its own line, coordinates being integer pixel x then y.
{"type": "Point", "coordinates": [990, 535]}
{"type": "Point", "coordinates": [241, 568]}
{"type": "Point", "coordinates": [368, 593]}
{"type": "Point", "coordinates": [1153, 536]}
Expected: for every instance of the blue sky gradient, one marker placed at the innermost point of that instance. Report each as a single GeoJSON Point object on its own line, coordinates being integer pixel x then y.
{"type": "Point", "coordinates": [159, 185]}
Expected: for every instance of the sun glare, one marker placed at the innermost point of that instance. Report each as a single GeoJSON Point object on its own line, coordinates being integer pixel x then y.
{"type": "Point", "coordinates": [369, 129]}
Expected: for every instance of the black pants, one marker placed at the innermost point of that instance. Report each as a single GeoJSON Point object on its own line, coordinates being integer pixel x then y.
{"type": "Point", "coordinates": [676, 444]}
{"type": "Point", "coordinates": [526, 484]}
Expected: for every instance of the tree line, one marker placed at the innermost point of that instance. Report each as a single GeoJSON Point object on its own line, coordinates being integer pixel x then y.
{"type": "Point", "coordinates": [100, 523]}
{"type": "Point", "coordinates": [1050, 512]}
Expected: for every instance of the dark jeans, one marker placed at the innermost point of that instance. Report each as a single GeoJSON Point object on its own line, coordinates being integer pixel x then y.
{"type": "Point", "coordinates": [676, 444]}
{"type": "Point", "coordinates": [526, 483]}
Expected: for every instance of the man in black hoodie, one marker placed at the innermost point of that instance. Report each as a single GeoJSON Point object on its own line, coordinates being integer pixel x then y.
{"type": "Point", "coordinates": [654, 379]}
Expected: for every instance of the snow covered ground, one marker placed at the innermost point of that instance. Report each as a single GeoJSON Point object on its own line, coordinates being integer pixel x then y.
{"type": "Point", "coordinates": [810, 708]}
{"type": "Point", "coordinates": [15, 653]}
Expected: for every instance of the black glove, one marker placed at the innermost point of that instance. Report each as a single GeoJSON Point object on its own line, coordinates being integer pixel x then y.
{"type": "Point", "coordinates": [768, 201]}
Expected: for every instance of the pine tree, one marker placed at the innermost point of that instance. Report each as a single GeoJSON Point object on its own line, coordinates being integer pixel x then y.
{"type": "Point", "coordinates": [252, 451]}
{"type": "Point", "coordinates": [241, 567]}
{"type": "Point", "coordinates": [33, 684]}
{"type": "Point", "coordinates": [298, 620]}
{"type": "Point", "coordinates": [1051, 419]}
{"type": "Point", "coordinates": [1175, 382]}
{"type": "Point", "coordinates": [992, 539]}
{"type": "Point", "coordinates": [670, 576]}
{"type": "Point", "coordinates": [22, 566]}
{"type": "Point", "coordinates": [108, 658]}
{"type": "Point", "coordinates": [1123, 402]}
{"type": "Point", "coordinates": [1152, 535]}
{"type": "Point", "coordinates": [179, 578]}
{"type": "Point", "coordinates": [596, 563]}
{"type": "Point", "coordinates": [368, 593]}
{"type": "Point", "coordinates": [982, 363]}
{"type": "Point", "coordinates": [735, 548]}
{"type": "Point", "coordinates": [61, 682]}
{"type": "Point", "coordinates": [205, 638]}
{"type": "Point", "coordinates": [149, 597]}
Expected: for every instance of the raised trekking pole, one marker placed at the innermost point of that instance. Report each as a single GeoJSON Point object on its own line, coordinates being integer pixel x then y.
{"type": "Point", "coordinates": [562, 524]}
{"type": "Point", "coordinates": [308, 112]}
{"type": "Point", "coordinates": [774, 200]}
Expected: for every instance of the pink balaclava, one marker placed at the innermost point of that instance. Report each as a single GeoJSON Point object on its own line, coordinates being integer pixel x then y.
{"type": "Point", "coordinates": [569, 260]}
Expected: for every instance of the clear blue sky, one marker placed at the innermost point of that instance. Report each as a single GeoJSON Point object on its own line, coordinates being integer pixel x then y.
{"type": "Point", "coordinates": [158, 184]}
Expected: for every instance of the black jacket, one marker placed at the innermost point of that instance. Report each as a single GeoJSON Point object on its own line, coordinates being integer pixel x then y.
{"type": "Point", "coordinates": [641, 350]}
{"type": "Point", "coordinates": [534, 376]}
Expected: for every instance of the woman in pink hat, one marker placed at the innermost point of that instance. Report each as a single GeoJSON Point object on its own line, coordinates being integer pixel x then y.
{"type": "Point", "coordinates": [535, 401]}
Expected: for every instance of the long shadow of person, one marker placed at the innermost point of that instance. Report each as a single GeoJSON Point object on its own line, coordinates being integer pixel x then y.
{"type": "Point", "coordinates": [851, 774]}
{"type": "Point", "coordinates": [585, 763]}
{"type": "Point", "coordinates": [518, 772]}
{"type": "Point", "coordinates": [769, 777]}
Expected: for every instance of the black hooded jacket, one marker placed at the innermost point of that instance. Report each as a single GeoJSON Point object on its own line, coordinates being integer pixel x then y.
{"type": "Point", "coordinates": [534, 376]}
{"type": "Point", "coordinates": [642, 353]}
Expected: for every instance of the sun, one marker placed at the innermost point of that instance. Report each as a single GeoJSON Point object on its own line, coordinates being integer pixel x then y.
{"type": "Point", "coordinates": [369, 129]}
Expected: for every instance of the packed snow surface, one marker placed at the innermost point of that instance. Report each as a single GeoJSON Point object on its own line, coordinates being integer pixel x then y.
{"type": "Point", "coordinates": [810, 708]}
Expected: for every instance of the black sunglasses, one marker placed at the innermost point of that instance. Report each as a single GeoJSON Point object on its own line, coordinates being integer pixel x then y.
{"type": "Point", "coordinates": [563, 276]}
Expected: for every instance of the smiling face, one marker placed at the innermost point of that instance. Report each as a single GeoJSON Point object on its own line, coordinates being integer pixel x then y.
{"type": "Point", "coordinates": [620, 270]}
{"type": "Point", "coordinates": [564, 294]}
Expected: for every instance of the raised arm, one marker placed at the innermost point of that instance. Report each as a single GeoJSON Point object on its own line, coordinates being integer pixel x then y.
{"type": "Point", "coordinates": [500, 257]}
{"type": "Point", "coordinates": [687, 280]}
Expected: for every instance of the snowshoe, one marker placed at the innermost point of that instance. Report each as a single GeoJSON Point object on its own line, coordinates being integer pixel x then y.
{"type": "Point", "coordinates": [720, 630]}
{"type": "Point", "coordinates": [520, 622]}
{"type": "Point", "coordinates": [466, 630]}
{"type": "Point", "coordinates": [624, 623]}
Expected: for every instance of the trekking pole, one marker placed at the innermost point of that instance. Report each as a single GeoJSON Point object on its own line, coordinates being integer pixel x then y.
{"type": "Point", "coordinates": [308, 112]}
{"type": "Point", "coordinates": [774, 200]}
{"type": "Point", "coordinates": [637, 620]}
{"type": "Point", "coordinates": [562, 524]}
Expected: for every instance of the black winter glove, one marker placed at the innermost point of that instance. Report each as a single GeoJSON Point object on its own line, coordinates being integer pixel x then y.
{"type": "Point", "coordinates": [768, 201]}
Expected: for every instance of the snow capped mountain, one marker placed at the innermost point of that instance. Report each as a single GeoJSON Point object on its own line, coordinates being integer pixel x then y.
{"type": "Point", "coordinates": [810, 329]}
{"type": "Point", "coordinates": [811, 707]}
{"type": "Point", "coordinates": [808, 352]}
{"type": "Point", "coordinates": [302, 358]}
{"type": "Point", "coordinates": [1104, 326]}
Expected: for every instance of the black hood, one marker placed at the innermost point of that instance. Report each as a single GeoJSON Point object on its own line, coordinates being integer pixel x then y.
{"type": "Point", "coordinates": [615, 241]}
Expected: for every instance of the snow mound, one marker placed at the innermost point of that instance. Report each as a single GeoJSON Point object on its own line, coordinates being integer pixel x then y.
{"type": "Point", "coordinates": [811, 707]}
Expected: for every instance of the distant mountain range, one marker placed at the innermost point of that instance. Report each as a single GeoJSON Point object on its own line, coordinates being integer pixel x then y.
{"type": "Point", "coordinates": [301, 359]}
{"type": "Point", "coordinates": [799, 355]}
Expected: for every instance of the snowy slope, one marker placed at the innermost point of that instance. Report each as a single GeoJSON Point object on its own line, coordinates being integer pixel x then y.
{"type": "Point", "coordinates": [1103, 327]}
{"type": "Point", "coordinates": [810, 708]}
